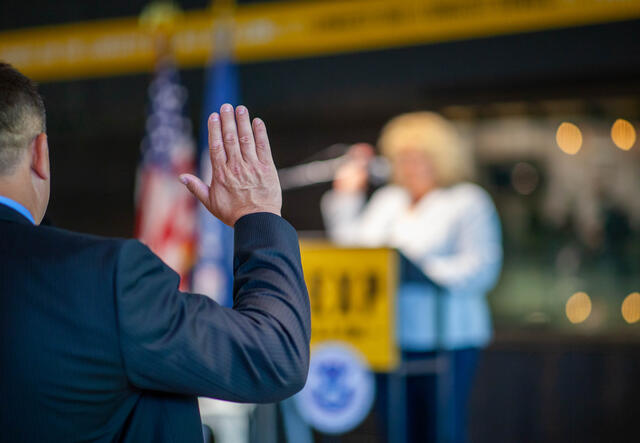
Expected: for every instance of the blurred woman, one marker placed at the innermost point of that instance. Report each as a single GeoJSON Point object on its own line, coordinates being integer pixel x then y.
{"type": "Point", "coordinates": [448, 228]}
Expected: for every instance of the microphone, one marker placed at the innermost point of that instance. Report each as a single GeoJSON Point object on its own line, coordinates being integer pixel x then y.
{"type": "Point", "coordinates": [322, 171]}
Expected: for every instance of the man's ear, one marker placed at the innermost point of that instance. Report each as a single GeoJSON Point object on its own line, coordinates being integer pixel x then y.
{"type": "Point", "coordinates": [40, 156]}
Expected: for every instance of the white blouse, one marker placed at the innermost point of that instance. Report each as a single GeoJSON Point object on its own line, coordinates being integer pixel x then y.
{"type": "Point", "coordinates": [452, 234]}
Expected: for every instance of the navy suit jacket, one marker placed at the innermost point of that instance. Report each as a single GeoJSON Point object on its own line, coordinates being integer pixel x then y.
{"type": "Point", "coordinates": [98, 344]}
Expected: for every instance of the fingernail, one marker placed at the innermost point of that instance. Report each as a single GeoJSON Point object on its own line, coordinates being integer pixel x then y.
{"type": "Point", "coordinates": [184, 179]}
{"type": "Point", "coordinates": [258, 121]}
{"type": "Point", "coordinates": [241, 109]}
{"type": "Point", "coordinates": [215, 117]}
{"type": "Point", "coordinates": [227, 108]}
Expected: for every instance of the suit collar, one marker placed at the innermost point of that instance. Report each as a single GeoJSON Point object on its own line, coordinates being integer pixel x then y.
{"type": "Point", "coordinates": [11, 215]}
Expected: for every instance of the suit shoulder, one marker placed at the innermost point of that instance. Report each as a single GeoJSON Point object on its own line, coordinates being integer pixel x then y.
{"type": "Point", "coordinates": [74, 240]}
{"type": "Point", "coordinates": [68, 246]}
{"type": "Point", "coordinates": [125, 255]}
{"type": "Point", "coordinates": [135, 258]}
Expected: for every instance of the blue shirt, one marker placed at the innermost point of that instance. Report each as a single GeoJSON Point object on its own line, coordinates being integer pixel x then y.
{"type": "Point", "coordinates": [17, 207]}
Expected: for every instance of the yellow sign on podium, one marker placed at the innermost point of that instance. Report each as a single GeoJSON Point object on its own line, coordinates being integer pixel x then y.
{"type": "Point", "coordinates": [352, 294]}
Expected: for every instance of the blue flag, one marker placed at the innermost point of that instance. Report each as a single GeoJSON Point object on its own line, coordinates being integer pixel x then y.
{"type": "Point", "coordinates": [213, 272]}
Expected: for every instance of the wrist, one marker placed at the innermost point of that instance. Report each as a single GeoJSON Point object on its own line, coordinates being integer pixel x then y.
{"type": "Point", "coordinates": [257, 210]}
{"type": "Point", "coordinates": [349, 190]}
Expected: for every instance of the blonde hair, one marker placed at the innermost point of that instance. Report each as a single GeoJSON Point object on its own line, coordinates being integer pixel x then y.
{"type": "Point", "coordinates": [432, 134]}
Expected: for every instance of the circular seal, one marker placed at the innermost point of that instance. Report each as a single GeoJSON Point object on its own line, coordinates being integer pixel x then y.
{"type": "Point", "coordinates": [340, 389]}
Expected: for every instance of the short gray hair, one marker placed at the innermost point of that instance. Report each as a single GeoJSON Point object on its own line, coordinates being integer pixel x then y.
{"type": "Point", "coordinates": [22, 116]}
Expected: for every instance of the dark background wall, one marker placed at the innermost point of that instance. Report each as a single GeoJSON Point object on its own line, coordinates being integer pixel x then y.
{"type": "Point", "coordinates": [95, 125]}
{"type": "Point", "coordinates": [557, 390]}
{"type": "Point", "coordinates": [546, 390]}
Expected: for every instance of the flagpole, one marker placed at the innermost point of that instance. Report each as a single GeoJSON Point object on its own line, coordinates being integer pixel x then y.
{"type": "Point", "coordinates": [159, 19]}
{"type": "Point", "coordinates": [165, 210]}
{"type": "Point", "coordinates": [223, 28]}
{"type": "Point", "coordinates": [222, 5]}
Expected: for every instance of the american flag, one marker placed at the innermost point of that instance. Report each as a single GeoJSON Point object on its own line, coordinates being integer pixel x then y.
{"type": "Point", "coordinates": [165, 210]}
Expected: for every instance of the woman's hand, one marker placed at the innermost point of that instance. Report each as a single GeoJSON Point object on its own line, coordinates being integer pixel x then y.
{"type": "Point", "coordinates": [353, 175]}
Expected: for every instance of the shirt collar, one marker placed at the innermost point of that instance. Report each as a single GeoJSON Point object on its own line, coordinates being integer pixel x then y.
{"type": "Point", "coordinates": [17, 207]}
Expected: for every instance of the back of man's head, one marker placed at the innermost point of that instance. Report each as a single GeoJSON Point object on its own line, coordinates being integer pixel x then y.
{"type": "Point", "coordinates": [22, 116]}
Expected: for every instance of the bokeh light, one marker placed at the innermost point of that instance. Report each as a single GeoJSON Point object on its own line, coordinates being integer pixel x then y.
{"type": "Point", "coordinates": [578, 307]}
{"type": "Point", "coordinates": [569, 138]}
{"type": "Point", "coordinates": [631, 307]}
{"type": "Point", "coordinates": [623, 134]}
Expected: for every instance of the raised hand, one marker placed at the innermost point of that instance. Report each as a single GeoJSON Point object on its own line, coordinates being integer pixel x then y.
{"type": "Point", "coordinates": [353, 175]}
{"type": "Point", "coordinates": [244, 177]}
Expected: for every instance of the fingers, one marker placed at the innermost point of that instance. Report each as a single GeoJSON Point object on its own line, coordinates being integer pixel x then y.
{"type": "Point", "coordinates": [196, 187]}
{"type": "Point", "coordinates": [245, 134]}
{"type": "Point", "coordinates": [234, 137]}
{"type": "Point", "coordinates": [216, 145]}
{"type": "Point", "coordinates": [361, 151]}
{"type": "Point", "coordinates": [230, 133]}
{"type": "Point", "coordinates": [263, 150]}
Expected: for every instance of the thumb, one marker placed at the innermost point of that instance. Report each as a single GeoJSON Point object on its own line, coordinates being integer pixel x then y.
{"type": "Point", "coordinates": [196, 187]}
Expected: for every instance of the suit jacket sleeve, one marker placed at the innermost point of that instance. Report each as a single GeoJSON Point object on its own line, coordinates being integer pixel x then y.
{"type": "Point", "coordinates": [258, 351]}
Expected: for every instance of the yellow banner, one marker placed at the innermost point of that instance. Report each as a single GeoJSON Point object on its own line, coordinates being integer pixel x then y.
{"type": "Point", "coordinates": [294, 29]}
{"type": "Point", "coordinates": [352, 294]}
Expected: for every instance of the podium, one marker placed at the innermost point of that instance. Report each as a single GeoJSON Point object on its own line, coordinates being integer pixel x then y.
{"type": "Point", "coordinates": [354, 294]}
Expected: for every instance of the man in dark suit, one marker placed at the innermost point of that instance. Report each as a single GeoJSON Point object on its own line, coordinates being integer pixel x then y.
{"type": "Point", "coordinates": [96, 341]}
